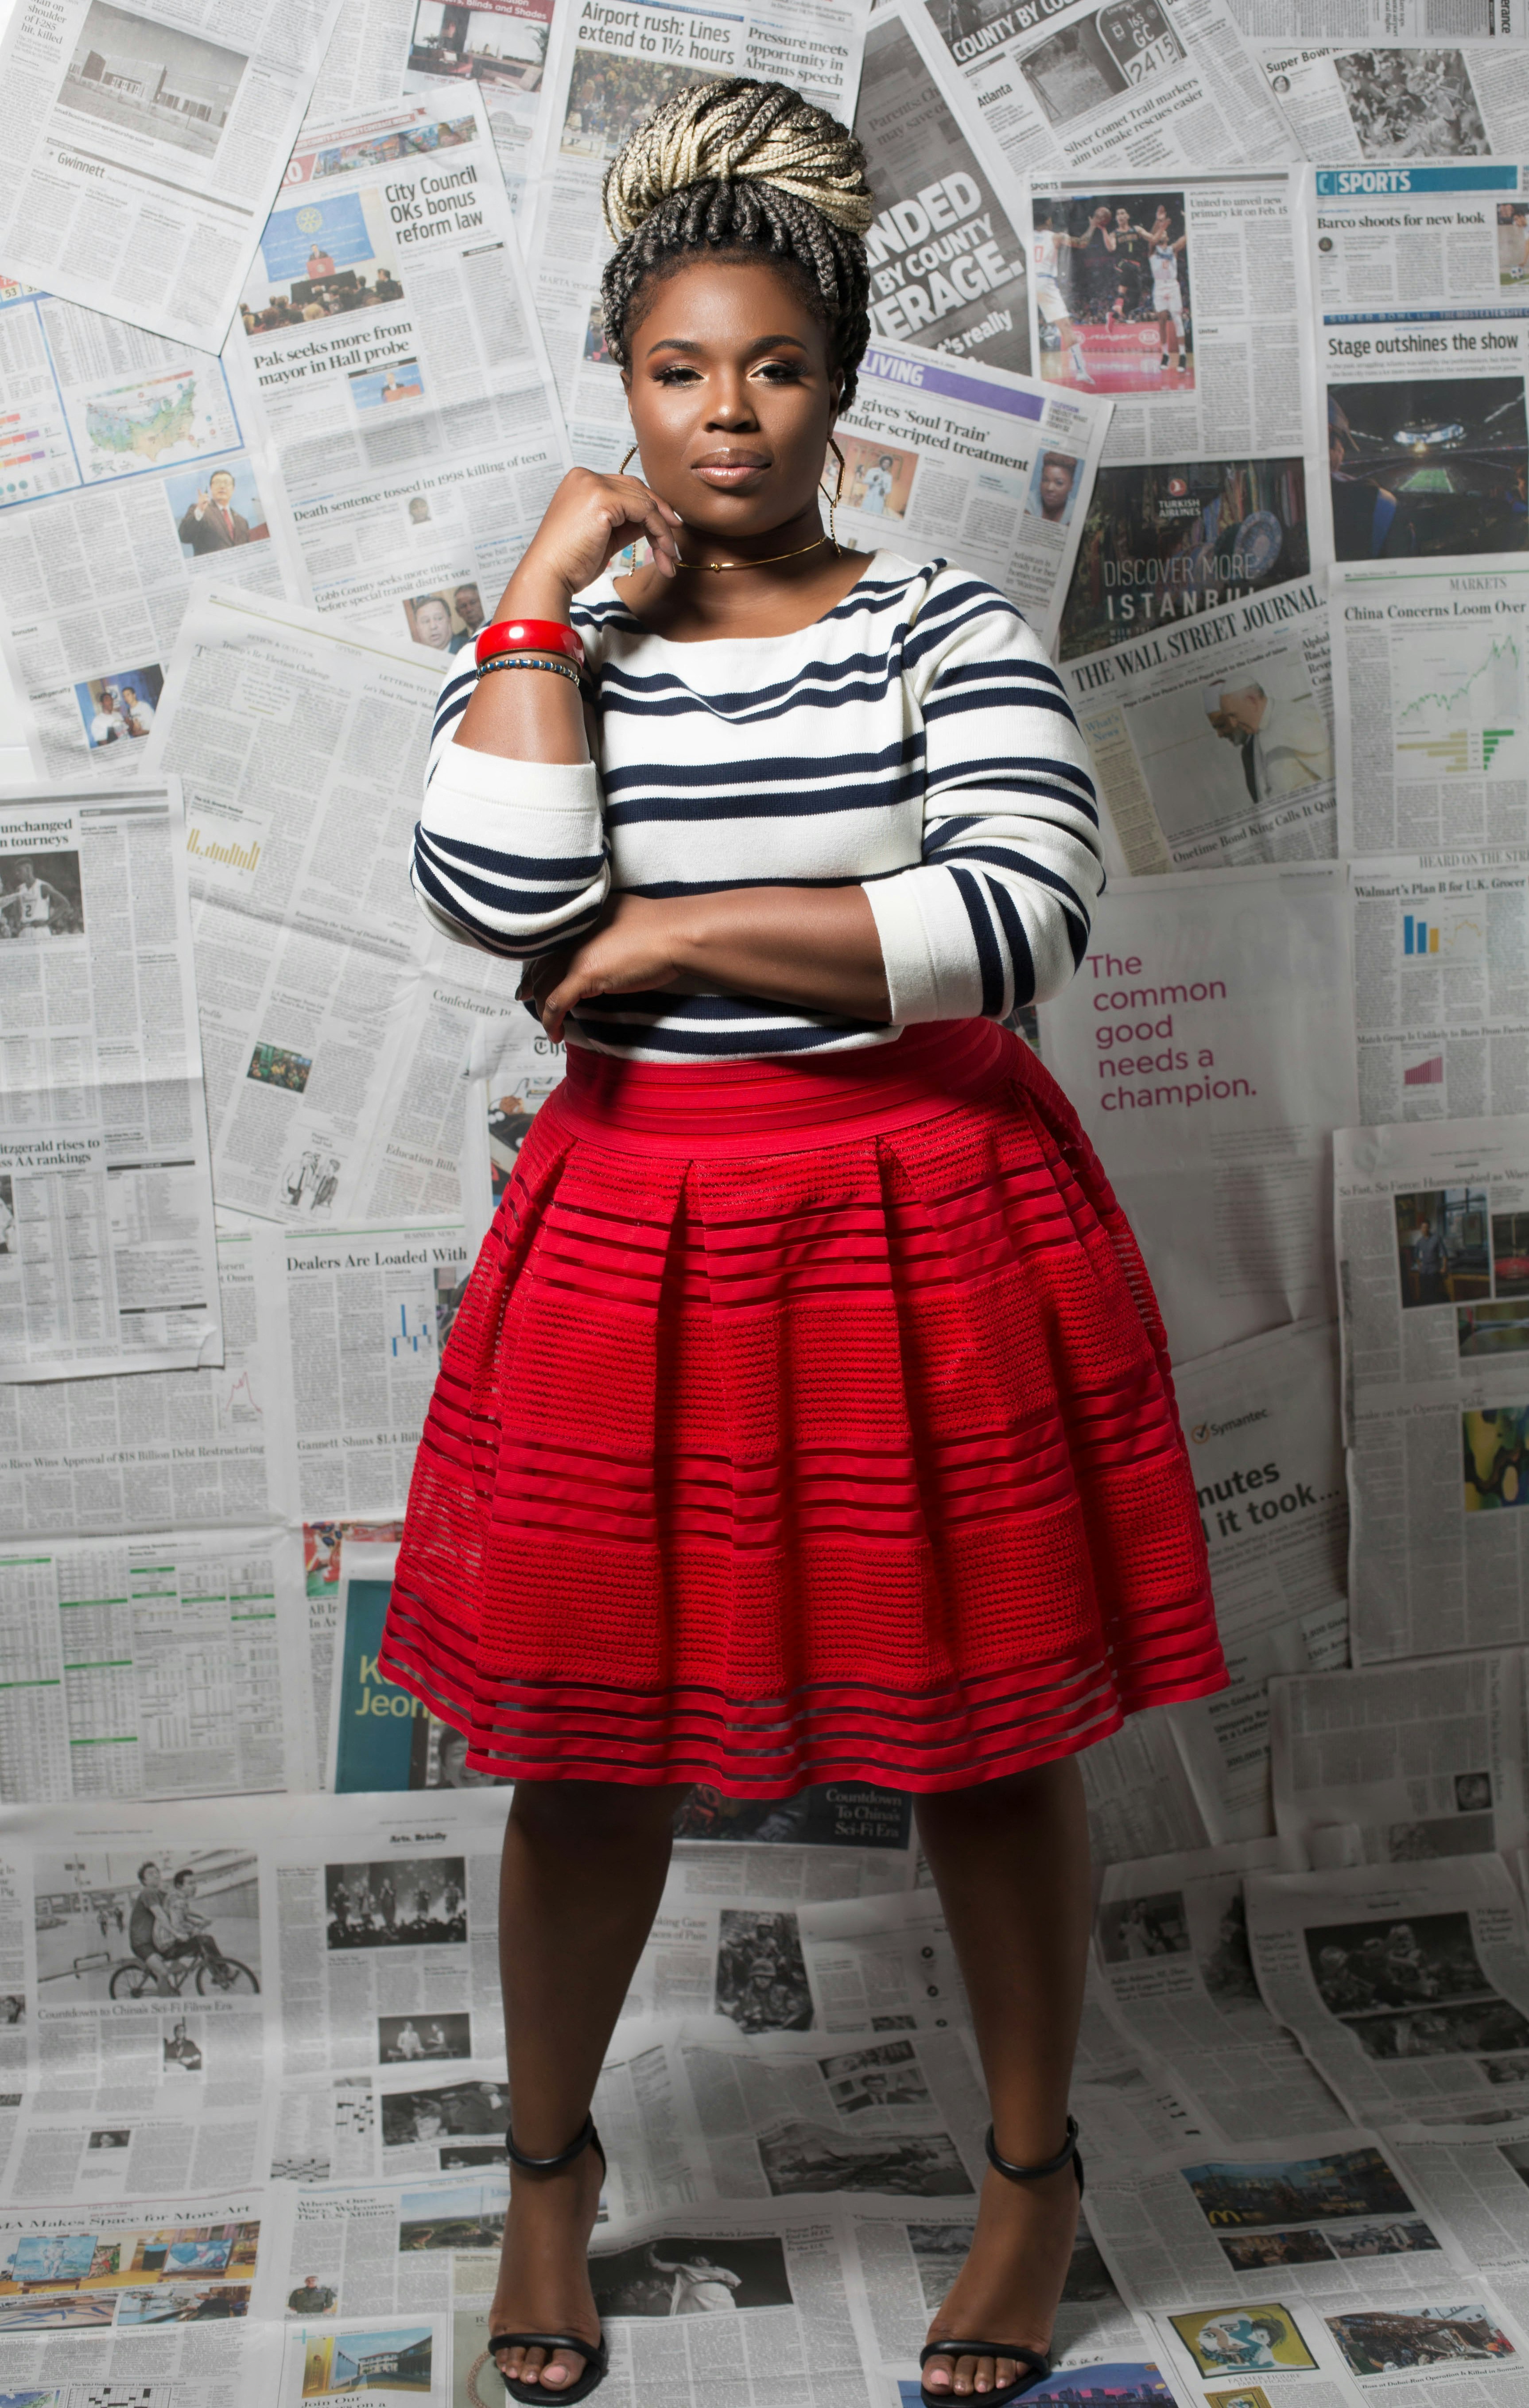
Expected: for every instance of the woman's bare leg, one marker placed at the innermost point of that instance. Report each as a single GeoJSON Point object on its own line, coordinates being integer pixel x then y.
{"type": "Point", "coordinates": [1011, 1862]}
{"type": "Point", "coordinates": [583, 1873]}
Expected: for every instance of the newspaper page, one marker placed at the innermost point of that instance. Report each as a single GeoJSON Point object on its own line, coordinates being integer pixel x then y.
{"type": "Point", "coordinates": [187, 1450]}
{"type": "Point", "coordinates": [1171, 1936]}
{"type": "Point", "coordinates": [1065, 84]}
{"type": "Point", "coordinates": [1480, 2181]}
{"type": "Point", "coordinates": [1441, 984]}
{"type": "Point", "coordinates": [512, 1067]}
{"type": "Point", "coordinates": [947, 246]}
{"type": "Point", "coordinates": [838, 1840]}
{"type": "Point", "coordinates": [144, 155]}
{"type": "Point", "coordinates": [610, 63]}
{"type": "Point", "coordinates": [409, 2273]}
{"type": "Point", "coordinates": [1401, 1984]}
{"type": "Point", "coordinates": [1464, 102]}
{"type": "Point", "coordinates": [138, 490]}
{"type": "Point", "coordinates": [1332, 2217]}
{"type": "Point", "coordinates": [990, 469]}
{"type": "Point", "coordinates": [1212, 742]}
{"type": "Point", "coordinates": [1423, 337]}
{"type": "Point", "coordinates": [1463, 2342]}
{"type": "Point", "coordinates": [160, 2289]}
{"type": "Point", "coordinates": [168, 1665]}
{"type": "Point", "coordinates": [362, 1316]}
{"type": "Point", "coordinates": [1207, 1047]}
{"type": "Point", "coordinates": [364, 64]}
{"type": "Point", "coordinates": [1140, 1800]}
{"type": "Point", "coordinates": [1431, 1231]}
{"type": "Point", "coordinates": [500, 45]}
{"type": "Point", "coordinates": [382, 1916]}
{"type": "Point", "coordinates": [107, 1252]}
{"type": "Point", "coordinates": [300, 743]}
{"type": "Point", "coordinates": [787, 2117]}
{"type": "Point", "coordinates": [1266, 1454]}
{"type": "Point", "coordinates": [1428, 707]}
{"type": "Point", "coordinates": [910, 2259]}
{"type": "Point", "coordinates": [1418, 1759]}
{"type": "Point", "coordinates": [389, 280]}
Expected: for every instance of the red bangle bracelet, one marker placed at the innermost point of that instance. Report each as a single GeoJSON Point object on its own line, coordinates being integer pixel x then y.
{"type": "Point", "coordinates": [528, 635]}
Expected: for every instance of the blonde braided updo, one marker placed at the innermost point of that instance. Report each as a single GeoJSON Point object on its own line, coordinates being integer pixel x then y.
{"type": "Point", "coordinates": [738, 167]}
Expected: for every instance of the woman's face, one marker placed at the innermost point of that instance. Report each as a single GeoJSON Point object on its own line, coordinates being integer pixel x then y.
{"type": "Point", "coordinates": [731, 395]}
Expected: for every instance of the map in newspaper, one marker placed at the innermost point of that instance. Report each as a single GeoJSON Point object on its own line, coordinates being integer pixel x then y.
{"type": "Point", "coordinates": [150, 421]}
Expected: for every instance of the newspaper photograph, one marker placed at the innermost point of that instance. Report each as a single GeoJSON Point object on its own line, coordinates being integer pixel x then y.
{"type": "Point", "coordinates": [1204, 1048]}
{"type": "Point", "coordinates": [1401, 1761]}
{"type": "Point", "coordinates": [1462, 2341]}
{"type": "Point", "coordinates": [1266, 1454]}
{"type": "Point", "coordinates": [166, 1666]}
{"type": "Point", "coordinates": [140, 489]}
{"type": "Point", "coordinates": [187, 1450]}
{"type": "Point", "coordinates": [947, 257]}
{"type": "Point", "coordinates": [790, 2116]}
{"type": "Point", "coordinates": [608, 68]}
{"type": "Point", "coordinates": [107, 1255]}
{"type": "Point", "coordinates": [1404, 1989]}
{"type": "Point", "coordinates": [1441, 984]}
{"type": "Point", "coordinates": [167, 2282]}
{"type": "Point", "coordinates": [1171, 1943]}
{"type": "Point", "coordinates": [1328, 2220]}
{"type": "Point", "coordinates": [397, 221]}
{"type": "Point", "coordinates": [1213, 741]}
{"type": "Point", "coordinates": [1390, 104]}
{"type": "Point", "coordinates": [1428, 707]}
{"type": "Point", "coordinates": [145, 155]}
{"type": "Point", "coordinates": [299, 743]}
{"type": "Point", "coordinates": [1432, 1232]}
{"type": "Point", "coordinates": [497, 45]}
{"type": "Point", "coordinates": [1422, 334]}
{"type": "Point", "coordinates": [1182, 301]}
{"type": "Point", "coordinates": [1068, 83]}
{"type": "Point", "coordinates": [992, 468]}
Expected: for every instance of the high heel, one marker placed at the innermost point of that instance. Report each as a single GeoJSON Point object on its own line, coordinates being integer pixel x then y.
{"type": "Point", "coordinates": [1036, 2362]}
{"type": "Point", "coordinates": [596, 2355]}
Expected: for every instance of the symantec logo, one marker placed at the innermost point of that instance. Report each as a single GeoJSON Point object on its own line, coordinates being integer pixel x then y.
{"type": "Point", "coordinates": [1204, 1430]}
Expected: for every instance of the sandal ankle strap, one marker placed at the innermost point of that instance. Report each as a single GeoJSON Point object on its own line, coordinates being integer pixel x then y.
{"type": "Point", "coordinates": [1011, 2172]}
{"type": "Point", "coordinates": [580, 2141]}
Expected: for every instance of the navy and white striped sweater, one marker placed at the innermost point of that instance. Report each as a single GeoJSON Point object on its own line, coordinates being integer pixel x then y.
{"type": "Point", "coordinates": [915, 740]}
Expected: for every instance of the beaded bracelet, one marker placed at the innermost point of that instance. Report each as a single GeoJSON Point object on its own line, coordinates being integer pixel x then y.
{"type": "Point", "coordinates": [530, 661]}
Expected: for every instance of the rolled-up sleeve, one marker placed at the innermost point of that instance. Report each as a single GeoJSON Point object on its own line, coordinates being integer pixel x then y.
{"type": "Point", "coordinates": [509, 856]}
{"type": "Point", "coordinates": [997, 912]}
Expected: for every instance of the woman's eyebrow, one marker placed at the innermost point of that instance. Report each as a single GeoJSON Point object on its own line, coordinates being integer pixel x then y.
{"type": "Point", "coordinates": [760, 343]}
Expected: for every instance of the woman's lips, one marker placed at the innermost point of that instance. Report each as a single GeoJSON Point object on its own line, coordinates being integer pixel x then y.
{"type": "Point", "coordinates": [726, 473]}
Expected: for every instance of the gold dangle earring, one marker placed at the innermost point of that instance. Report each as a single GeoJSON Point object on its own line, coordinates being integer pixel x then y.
{"type": "Point", "coordinates": [836, 495]}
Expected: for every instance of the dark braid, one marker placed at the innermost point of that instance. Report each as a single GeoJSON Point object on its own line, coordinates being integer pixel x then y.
{"type": "Point", "coordinates": [740, 168]}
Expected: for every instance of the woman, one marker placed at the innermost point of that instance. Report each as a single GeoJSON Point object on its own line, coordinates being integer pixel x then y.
{"type": "Point", "coordinates": [807, 1415]}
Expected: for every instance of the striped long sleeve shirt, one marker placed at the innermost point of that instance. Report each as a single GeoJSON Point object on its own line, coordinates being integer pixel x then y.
{"type": "Point", "coordinates": [914, 741]}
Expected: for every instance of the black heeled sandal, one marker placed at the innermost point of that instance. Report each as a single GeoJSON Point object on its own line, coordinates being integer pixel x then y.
{"type": "Point", "coordinates": [1036, 2362]}
{"type": "Point", "coordinates": [596, 2355]}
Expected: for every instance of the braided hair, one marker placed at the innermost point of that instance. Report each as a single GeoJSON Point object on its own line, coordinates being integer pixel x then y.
{"type": "Point", "coordinates": [742, 169]}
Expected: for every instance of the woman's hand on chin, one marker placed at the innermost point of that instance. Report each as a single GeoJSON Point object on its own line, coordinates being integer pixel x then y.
{"type": "Point", "coordinates": [589, 520]}
{"type": "Point", "coordinates": [635, 948]}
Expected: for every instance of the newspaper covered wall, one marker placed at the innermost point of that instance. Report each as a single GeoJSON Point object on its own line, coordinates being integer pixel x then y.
{"type": "Point", "coordinates": [608, 64]}
{"type": "Point", "coordinates": [393, 364]}
{"type": "Point", "coordinates": [1206, 1048]}
{"type": "Point", "coordinates": [107, 1259]}
{"type": "Point", "coordinates": [1430, 1220]}
{"type": "Point", "coordinates": [137, 488]}
{"type": "Point", "coordinates": [1441, 983]}
{"type": "Point", "coordinates": [145, 153]}
{"type": "Point", "coordinates": [1266, 1455]}
{"type": "Point", "coordinates": [498, 46]}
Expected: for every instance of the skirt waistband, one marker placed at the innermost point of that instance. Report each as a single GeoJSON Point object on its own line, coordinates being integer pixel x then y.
{"type": "Point", "coordinates": [778, 1105]}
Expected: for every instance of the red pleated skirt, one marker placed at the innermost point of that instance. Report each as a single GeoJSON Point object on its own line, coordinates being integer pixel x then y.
{"type": "Point", "coordinates": [802, 1422]}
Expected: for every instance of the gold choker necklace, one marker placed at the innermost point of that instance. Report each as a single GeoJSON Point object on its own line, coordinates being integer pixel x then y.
{"type": "Point", "coordinates": [717, 566]}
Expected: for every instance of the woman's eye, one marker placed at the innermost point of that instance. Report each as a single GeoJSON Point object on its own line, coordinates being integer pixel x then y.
{"type": "Point", "coordinates": [780, 371]}
{"type": "Point", "coordinates": [677, 374]}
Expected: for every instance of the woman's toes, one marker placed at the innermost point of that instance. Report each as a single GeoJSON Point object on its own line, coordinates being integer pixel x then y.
{"type": "Point", "coordinates": [558, 2373]}
{"type": "Point", "coordinates": [936, 2374]}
